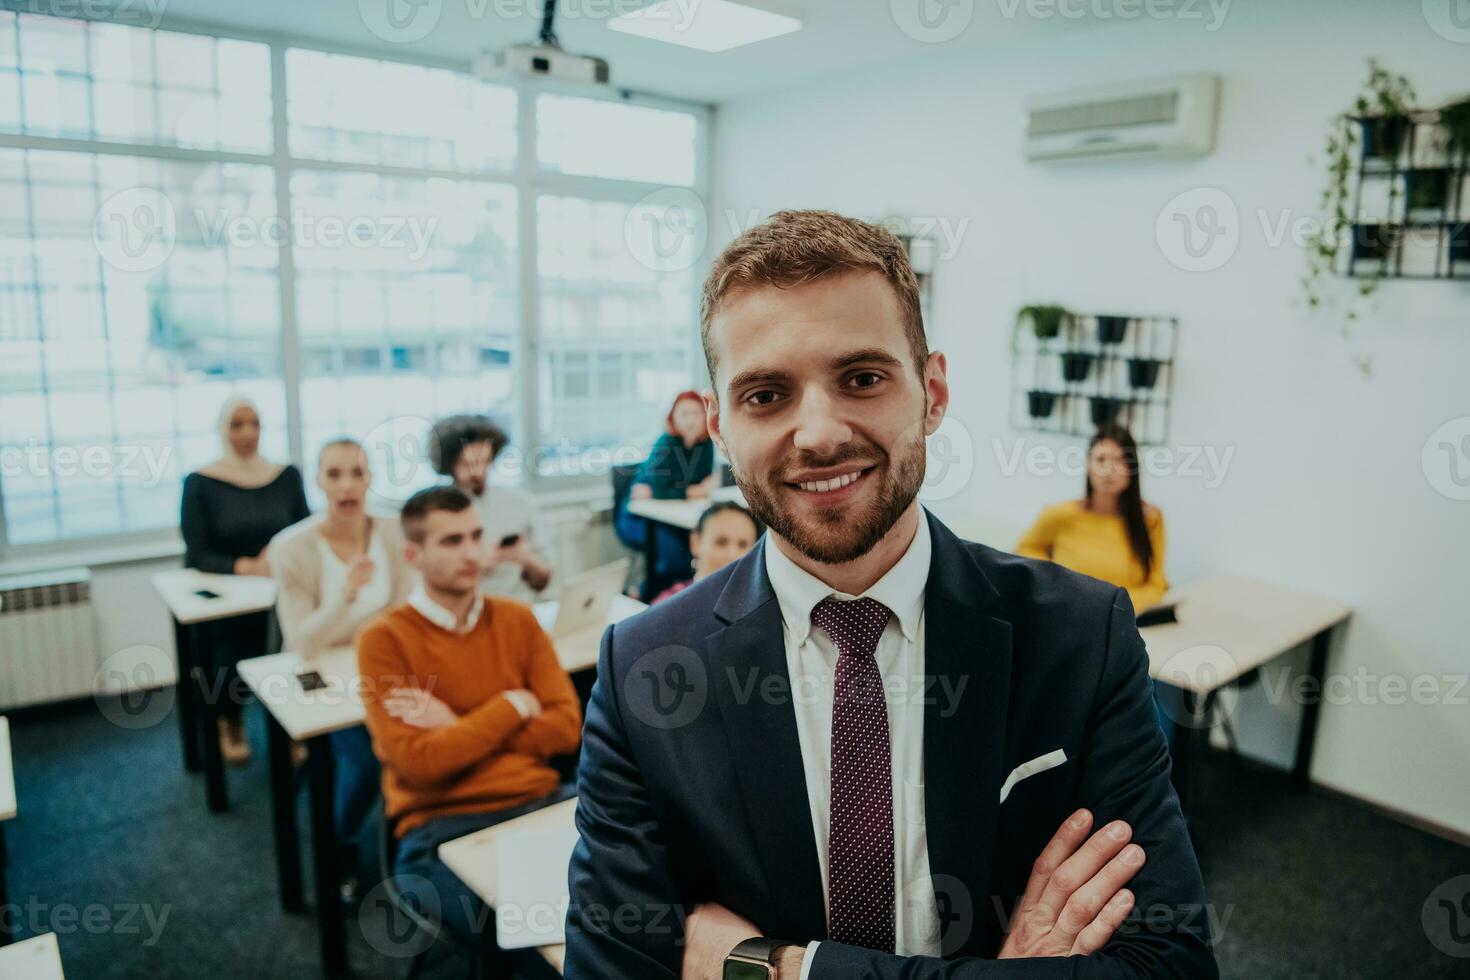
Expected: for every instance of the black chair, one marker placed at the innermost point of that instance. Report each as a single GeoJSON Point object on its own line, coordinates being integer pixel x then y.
{"type": "Point", "coordinates": [486, 961]}
{"type": "Point", "coordinates": [623, 475]}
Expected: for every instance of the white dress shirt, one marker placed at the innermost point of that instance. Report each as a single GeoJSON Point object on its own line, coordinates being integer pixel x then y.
{"type": "Point", "coordinates": [811, 660]}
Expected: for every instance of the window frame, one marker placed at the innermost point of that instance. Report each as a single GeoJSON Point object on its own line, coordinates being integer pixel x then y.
{"type": "Point", "coordinates": [528, 179]}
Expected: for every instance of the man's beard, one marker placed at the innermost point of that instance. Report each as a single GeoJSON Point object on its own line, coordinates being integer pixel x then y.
{"type": "Point", "coordinates": [839, 535]}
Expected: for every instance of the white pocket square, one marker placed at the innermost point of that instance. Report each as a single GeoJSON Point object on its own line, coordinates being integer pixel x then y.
{"type": "Point", "coordinates": [1026, 770]}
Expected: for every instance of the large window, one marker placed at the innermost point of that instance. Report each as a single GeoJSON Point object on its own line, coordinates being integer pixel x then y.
{"type": "Point", "coordinates": [148, 221]}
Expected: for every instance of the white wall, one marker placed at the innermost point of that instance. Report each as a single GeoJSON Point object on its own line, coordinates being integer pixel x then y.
{"type": "Point", "coordinates": [1325, 490]}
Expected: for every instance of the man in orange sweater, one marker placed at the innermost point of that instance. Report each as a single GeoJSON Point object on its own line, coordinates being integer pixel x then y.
{"type": "Point", "coordinates": [466, 702]}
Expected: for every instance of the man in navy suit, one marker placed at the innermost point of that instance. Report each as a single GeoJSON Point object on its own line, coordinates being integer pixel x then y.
{"type": "Point", "coordinates": [868, 749]}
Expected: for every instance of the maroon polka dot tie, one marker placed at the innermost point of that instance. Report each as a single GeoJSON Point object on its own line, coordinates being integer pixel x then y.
{"type": "Point", "coordinates": [860, 850]}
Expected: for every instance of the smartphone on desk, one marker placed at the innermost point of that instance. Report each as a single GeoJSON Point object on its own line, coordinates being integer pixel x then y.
{"type": "Point", "coordinates": [510, 540]}
{"type": "Point", "coordinates": [206, 594]}
{"type": "Point", "coordinates": [310, 680]}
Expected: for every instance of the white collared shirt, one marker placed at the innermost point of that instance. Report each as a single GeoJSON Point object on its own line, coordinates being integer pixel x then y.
{"type": "Point", "coordinates": [811, 660]}
{"type": "Point", "coordinates": [443, 618]}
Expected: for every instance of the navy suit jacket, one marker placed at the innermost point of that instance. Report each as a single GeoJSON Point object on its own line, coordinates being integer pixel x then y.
{"type": "Point", "coordinates": [691, 786]}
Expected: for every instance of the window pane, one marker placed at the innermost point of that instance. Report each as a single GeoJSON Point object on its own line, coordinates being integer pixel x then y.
{"type": "Point", "coordinates": [133, 301]}
{"type": "Point", "coordinates": [617, 335]}
{"type": "Point", "coordinates": [364, 111]}
{"type": "Point", "coordinates": [595, 138]}
{"type": "Point", "coordinates": [407, 309]}
{"type": "Point", "coordinates": [84, 80]}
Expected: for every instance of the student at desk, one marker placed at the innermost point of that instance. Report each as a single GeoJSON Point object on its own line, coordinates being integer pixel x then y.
{"type": "Point", "coordinates": [463, 448]}
{"type": "Point", "coordinates": [466, 703]}
{"type": "Point", "coordinates": [725, 532]}
{"type": "Point", "coordinates": [229, 512]}
{"type": "Point", "coordinates": [680, 466]}
{"type": "Point", "coordinates": [1110, 534]}
{"type": "Point", "coordinates": [334, 572]}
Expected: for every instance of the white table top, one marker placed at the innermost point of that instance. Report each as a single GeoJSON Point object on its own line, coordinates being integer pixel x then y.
{"type": "Point", "coordinates": [7, 772]}
{"type": "Point", "coordinates": [238, 594]}
{"type": "Point", "coordinates": [33, 959]}
{"type": "Point", "coordinates": [307, 714]}
{"type": "Point", "coordinates": [1228, 626]}
{"type": "Point", "coordinates": [472, 858]}
{"type": "Point", "coordinates": [682, 513]}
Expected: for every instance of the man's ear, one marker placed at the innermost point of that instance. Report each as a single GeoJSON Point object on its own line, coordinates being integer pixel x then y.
{"type": "Point", "coordinates": [936, 391]}
{"type": "Point", "coordinates": [712, 418]}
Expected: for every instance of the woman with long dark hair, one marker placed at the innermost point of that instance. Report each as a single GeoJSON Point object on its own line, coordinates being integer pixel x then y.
{"type": "Point", "coordinates": [1111, 533]}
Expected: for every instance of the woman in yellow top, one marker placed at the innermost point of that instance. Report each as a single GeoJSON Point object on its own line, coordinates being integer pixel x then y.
{"type": "Point", "coordinates": [1111, 533]}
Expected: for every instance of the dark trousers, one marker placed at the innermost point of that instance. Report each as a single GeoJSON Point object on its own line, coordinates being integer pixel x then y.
{"type": "Point", "coordinates": [436, 891]}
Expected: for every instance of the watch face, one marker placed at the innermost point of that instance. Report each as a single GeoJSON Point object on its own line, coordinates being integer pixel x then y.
{"type": "Point", "coordinates": [736, 970]}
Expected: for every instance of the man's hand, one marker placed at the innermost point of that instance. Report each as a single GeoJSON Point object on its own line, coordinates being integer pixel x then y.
{"type": "Point", "coordinates": [528, 704]}
{"type": "Point", "coordinates": [710, 933]}
{"type": "Point", "coordinates": [1075, 899]}
{"type": "Point", "coordinates": [418, 708]}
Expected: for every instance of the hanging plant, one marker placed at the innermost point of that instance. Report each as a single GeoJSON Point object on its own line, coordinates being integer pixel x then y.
{"type": "Point", "coordinates": [1046, 321]}
{"type": "Point", "coordinates": [1380, 113]}
{"type": "Point", "coordinates": [1454, 119]}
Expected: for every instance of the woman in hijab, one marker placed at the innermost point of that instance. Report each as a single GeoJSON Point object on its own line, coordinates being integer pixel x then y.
{"type": "Point", "coordinates": [231, 509]}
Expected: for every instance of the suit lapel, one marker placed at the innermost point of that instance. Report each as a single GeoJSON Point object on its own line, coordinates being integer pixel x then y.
{"type": "Point", "coordinates": [967, 653]}
{"type": "Point", "coordinates": [765, 749]}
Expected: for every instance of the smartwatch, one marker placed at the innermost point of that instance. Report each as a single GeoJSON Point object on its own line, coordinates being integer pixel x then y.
{"type": "Point", "coordinates": [754, 959]}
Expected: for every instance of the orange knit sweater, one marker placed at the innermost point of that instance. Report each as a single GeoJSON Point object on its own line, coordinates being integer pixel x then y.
{"type": "Point", "coordinates": [490, 759]}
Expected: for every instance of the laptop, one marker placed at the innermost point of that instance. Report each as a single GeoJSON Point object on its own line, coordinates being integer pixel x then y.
{"type": "Point", "coordinates": [585, 599]}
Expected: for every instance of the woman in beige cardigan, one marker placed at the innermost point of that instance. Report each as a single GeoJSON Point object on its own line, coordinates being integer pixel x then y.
{"type": "Point", "coordinates": [334, 573]}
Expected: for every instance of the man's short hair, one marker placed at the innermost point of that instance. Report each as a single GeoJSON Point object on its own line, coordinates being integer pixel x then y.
{"type": "Point", "coordinates": [449, 437]}
{"type": "Point", "coordinates": [793, 248]}
{"type": "Point", "coordinates": [416, 509]}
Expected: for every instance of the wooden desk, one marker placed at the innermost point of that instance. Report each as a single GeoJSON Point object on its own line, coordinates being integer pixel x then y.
{"type": "Point", "coordinates": [7, 811]}
{"type": "Point", "coordinates": [1227, 627]}
{"type": "Point", "coordinates": [38, 958]}
{"type": "Point", "coordinates": [472, 858]}
{"type": "Point", "coordinates": [579, 650]}
{"type": "Point", "coordinates": [238, 595]}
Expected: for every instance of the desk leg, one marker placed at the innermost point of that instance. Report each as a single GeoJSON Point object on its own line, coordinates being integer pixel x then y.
{"type": "Point", "coordinates": [184, 695]}
{"type": "Point", "coordinates": [330, 928]}
{"type": "Point", "coordinates": [650, 558]}
{"type": "Point", "coordinates": [1306, 739]}
{"type": "Point", "coordinates": [8, 916]}
{"type": "Point", "coordinates": [1190, 737]}
{"type": "Point", "coordinates": [283, 816]}
{"type": "Point", "coordinates": [214, 763]}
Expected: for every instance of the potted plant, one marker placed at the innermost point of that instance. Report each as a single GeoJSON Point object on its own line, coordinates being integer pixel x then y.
{"type": "Point", "coordinates": [1110, 329]}
{"type": "Point", "coordinates": [1046, 321]}
{"type": "Point", "coordinates": [1373, 243]}
{"type": "Point", "coordinates": [1143, 372]}
{"type": "Point", "coordinates": [1454, 119]}
{"type": "Point", "coordinates": [1105, 410]}
{"type": "Point", "coordinates": [1427, 189]}
{"type": "Point", "coordinates": [1383, 135]}
{"type": "Point", "coordinates": [1041, 403]}
{"type": "Point", "coordinates": [1075, 365]}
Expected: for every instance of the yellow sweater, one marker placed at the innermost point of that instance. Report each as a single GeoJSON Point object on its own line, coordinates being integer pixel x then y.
{"type": "Point", "coordinates": [1097, 545]}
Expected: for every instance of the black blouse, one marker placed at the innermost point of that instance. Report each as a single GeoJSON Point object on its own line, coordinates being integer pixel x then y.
{"type": "Point", "coordinates": [222, 522]}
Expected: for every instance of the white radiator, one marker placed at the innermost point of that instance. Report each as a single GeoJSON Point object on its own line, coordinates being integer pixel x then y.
{"type": "Point", "coordinates": [48, 638]}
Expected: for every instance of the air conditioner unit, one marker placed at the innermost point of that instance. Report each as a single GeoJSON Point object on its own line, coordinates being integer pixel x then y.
{"type": "Point", "coordinates": [1163, 117]}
